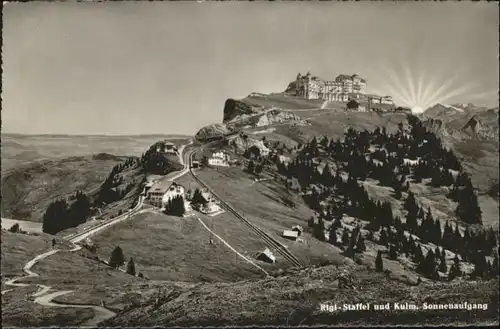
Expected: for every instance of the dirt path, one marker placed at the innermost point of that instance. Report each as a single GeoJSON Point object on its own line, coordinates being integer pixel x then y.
{"type": "Point", "coordinates": [101, 313]}
{"type": "Point", "coordinates": [229, 246]}
{"type": "Point", "coordinates": [43, 298]}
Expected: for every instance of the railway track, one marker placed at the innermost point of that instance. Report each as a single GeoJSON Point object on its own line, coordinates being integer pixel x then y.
{"type": "Point", "coordinates": [77, 237]}
{"type": "Point", "coordinates": [271, 242]}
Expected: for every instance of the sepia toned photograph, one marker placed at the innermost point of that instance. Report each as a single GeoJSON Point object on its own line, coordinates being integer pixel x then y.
{"type": "Point", "coordinates": [249, 164]}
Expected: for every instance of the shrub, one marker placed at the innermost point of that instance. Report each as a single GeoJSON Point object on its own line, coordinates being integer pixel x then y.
{"type": "Point", "coordinates": [15, 228]}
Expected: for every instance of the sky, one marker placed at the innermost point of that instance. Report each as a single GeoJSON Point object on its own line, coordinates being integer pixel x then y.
{"type": "Point", "coordinates": [122, 68]}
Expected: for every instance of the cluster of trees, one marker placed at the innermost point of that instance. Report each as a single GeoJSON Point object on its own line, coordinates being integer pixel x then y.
{"type": "Point", "coordinates": [468, 209]}
{"type": "Point", "coordinates": [15, 228]}
{"type": "Point", "coordinates": [352, 199]}
{"type": "Point", "coordinates": [175, 206]}
{"type": "Point", "coordinates": [332, 195]}
{"type": "Point", "coordinates": [253, 152]}
{"type": "Point", "coordinates": [386, 161]}
{"type": "Point", "coordinates": [60, 216]}
{"type": "Point", "coordinates": [434, 261]}
{"type": "Point", "coordinates": [197, 199]}
{"type": "Point", "coordinates": [110, 191]}
{"type": "Point", "coordinates": [129, 163]}
{"type": "Point", "coordinates": [254, 168]}
{"type": "Point", "coordinates": [156, 163]}
{"type": "Point", "coordinates": [352, 243]}
{"type": "Point", "coordinates": [204, 161]}
{"type": "Point", "coordinates": [117, 259]}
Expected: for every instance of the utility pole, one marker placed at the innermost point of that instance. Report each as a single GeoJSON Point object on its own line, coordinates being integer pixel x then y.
{"type": "Point", "coordinates": [211, 230]}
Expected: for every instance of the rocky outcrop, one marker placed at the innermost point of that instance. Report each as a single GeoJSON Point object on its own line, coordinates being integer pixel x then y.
{"type": "Point", "coordinates": [471, 123]}
{"type": "Point", "coordinates": [265, 118]}
{"type": "Point", "coordinates": [494, 191]}
{"type": "Point", "coordinates": [234, 108]}
{"type": "Point", "coordinates": [473, 126]}
{"type": "Point", "coordinates": [277, 116]}
{"type": "Point", "coordinates": [242, 142]}
{"type": "Point", "coordinates": [212, 132]}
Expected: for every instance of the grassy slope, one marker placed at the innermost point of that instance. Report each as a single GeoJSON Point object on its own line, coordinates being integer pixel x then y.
{"type": "Point", "coordinates": [91, 281]}
{"type": "Point", "coordinates": [171, 248]}
{"type": "Point", "coordinates": [283, 101]}
{"type": "Point", "coordinates": [17, 249]}
{"type": "Point", "coordinates": [262, 204]}
{"type": "Point", "coordinates": [480, 160]}
{"type": "Point", "coordinates": [26, 193]}
{"type": "Point", "coordinates": [297, 297]}
{"type": "Point", "coordinates": [334, 123]}
{"type": "Point", "coordinates": [17, 310]}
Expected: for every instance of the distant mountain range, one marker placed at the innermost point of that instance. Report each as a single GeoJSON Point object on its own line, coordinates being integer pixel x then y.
{"type": "Point", "coordinates": [463, 120]}
{"type": "Point", "coordinates": [94, 135]}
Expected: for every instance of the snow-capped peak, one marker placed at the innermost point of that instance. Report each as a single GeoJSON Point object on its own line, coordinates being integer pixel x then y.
{"type": "Point", "coordinates": [453, 107]}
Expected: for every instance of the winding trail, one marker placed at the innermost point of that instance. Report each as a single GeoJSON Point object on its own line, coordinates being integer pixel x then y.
{"type": "Point", "coordinates": [101, 313]}
{"type": "Point", "coordinates": [42, 297]}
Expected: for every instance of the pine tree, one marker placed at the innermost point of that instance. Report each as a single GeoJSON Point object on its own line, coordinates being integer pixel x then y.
{"type": "Point", "coordinates": [418, 255]}
{"type": "Point", "coordinates": [468, 209]}
{"type": "Point", "coordinates": [332, 236]}
{"type": "Point", "coordinates": [383, 237]}
{"type": "Point", "coordinates": [131, 267]}
{"type": "Point", "coordinates": [55, 217]}
{"type": "Point", "coordinates": [392, 252]}
{"type": "Point", "coordinates": [454, 271]}
{"type": "Point", "coordinates": [258, 168]}
{"type": "Point", "coordinates": [421, 213]}
{"type": "Point", "coordinates": [345, 237]}
{"type": "Point", "coordinates": [480, 265]}
{"type": "Point", "coordinates": [397, 193]}
{"type": "Point", "coordinates": [360, 245]}
{"type": "Point", "coordinates": [310, 222]}
{"type": "Point", "coordinates": [198, 198]}
{"type": "Point", "coordinates": [251, 167]}
{"type": "Point", "coordinates": [369, 236]}
{"type": "Point", "coordinates": [117, 259]}
{"type": "Point", "coordinates": [379, 263]}
{"type": "Point", "coordinates": [442, 267]}
{"type": "Point", "coordinates": [428, 266]}
{"type": "Point", "coordinates": [319, 230]}
{"type": "Point", "coordinates": [494, 267]}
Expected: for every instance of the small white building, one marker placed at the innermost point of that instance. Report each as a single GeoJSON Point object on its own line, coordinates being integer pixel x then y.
{"type": "Point", "coordinates": [387, 100]}
{"type": "Point", "coordinates": [166, 147]}
{"type": "Point", "coordinates": [292, 235]}
{"type": "Point", "coordinates": [298, 229]}
{"type": "Point", "coordinates": [210, 208]}
{"type": "Point", "coordinates": [284, 159]}
{"type": "Point", "coordinates": [220, 159]}
{"type": "Point", "coordinates": [267, 256]}
{"type": "Point", "coordinates": [207, 196]}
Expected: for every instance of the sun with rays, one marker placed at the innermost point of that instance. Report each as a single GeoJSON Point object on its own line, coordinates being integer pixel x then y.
{"type": "Point", "coordinates": [419, 88]}
{"type": "Point", "coordinates": [417, 109]}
